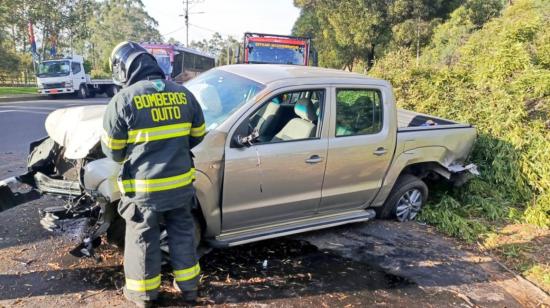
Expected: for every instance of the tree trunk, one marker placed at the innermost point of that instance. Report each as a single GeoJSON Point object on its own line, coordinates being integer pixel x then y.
{"type": "Point", "coordinates": [370, 57]}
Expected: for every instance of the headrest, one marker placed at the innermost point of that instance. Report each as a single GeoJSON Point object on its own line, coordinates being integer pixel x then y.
{"type": "Point", "coordinates": [304, 109]}
{"type": "Point", "coordinates": [276, 101]}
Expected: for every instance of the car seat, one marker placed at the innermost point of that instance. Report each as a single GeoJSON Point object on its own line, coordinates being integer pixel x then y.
{"type": "Point", "coordinates": [302, 127]}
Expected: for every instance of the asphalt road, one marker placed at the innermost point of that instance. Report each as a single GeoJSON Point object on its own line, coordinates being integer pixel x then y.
{"type": "Point", "coordinates": [379, 263]}
{"type": "Point", "coordinates": [23, 121]}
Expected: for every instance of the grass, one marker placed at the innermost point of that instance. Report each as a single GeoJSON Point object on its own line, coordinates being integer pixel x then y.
{"type": "Point", "coordinates": [10, 91]}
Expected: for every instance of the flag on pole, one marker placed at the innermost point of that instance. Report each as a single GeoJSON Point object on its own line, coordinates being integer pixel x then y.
{"type": "Point", "coordinates": [31, 39]}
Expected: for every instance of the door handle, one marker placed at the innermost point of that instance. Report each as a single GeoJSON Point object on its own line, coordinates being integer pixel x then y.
{"type": "Point", "coordinates": [314, 159]}
{"type": "Point", "coordinates": [380, 151]}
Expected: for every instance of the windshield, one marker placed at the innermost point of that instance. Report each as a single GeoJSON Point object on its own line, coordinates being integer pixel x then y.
{"type": "Point", "coordinates": [54, 68]}
{"type": "Point", "coordinates": [275, 53]}
{"type": "Point", "coordinates": [220, 94]}
{"type": "Point", "coordinates": [164, 63]}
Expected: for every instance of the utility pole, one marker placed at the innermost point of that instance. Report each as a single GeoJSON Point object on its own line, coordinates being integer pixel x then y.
{"type": "Point", "coordinates": [186, 2]}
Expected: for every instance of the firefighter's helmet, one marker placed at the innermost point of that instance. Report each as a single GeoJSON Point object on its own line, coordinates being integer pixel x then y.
{"type": "Point", "coordinates": [121, 60]}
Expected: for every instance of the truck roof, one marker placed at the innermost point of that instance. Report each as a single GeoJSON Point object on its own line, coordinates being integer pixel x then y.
{"type": "Point", "coordinates": [268, 73]}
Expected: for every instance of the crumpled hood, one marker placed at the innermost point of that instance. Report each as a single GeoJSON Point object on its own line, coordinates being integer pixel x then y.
{"type": "Point", "coordinates": [78, 129]}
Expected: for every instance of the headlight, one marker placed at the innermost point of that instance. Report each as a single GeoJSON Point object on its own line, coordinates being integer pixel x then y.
{"type": "Point", "coordinates": [69, 84]}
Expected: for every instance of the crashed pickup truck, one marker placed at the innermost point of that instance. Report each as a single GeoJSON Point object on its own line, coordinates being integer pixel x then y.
{"type": "Point", "coordinates": [289, 149]}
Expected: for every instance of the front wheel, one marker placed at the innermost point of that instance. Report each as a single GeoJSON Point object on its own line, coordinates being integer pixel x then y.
{"type": "Point", "coordinates": [82, 92]}
{"type": "Point", "coordinates": [117, 230]}
{"type": "Point", "coordinates": [406, 199]}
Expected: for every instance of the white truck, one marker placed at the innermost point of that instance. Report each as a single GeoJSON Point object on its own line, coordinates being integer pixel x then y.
{"type": "Point", "coordinates": [67, 75]}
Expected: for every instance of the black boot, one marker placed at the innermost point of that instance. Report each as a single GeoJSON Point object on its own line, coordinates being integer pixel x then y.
{"type": "Point", "coordinates": [190, 297]}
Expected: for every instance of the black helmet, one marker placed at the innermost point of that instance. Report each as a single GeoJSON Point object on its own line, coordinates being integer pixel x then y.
{"type": "Point", "coordinates": [121, 59]}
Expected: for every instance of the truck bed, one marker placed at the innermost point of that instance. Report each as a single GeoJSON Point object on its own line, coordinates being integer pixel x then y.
{"type": "Point", "coordinates": [447, 141]}
{"type": "Point", "coordinates": [411, 121]}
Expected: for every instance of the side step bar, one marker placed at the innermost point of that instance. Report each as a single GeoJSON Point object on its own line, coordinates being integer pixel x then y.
{"type": "Point", "coordinates": [245, 237]}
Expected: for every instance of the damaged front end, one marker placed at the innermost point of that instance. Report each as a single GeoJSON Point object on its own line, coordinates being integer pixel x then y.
{"type": "Point", "coordinates": [82, 177]}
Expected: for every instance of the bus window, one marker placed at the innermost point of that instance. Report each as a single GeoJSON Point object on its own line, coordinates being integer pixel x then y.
{"type": "Point", "coordinates": [178, 65]}
{"type": "Point", "coordinates": [189, 61]}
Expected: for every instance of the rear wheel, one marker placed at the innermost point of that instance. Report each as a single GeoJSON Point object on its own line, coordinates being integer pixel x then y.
{"type": "Point", "coordinates": [111, 91]}
{"type": "Point", "coordinates": [406, 199]}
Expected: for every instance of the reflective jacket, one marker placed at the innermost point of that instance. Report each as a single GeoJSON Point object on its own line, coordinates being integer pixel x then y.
{"type": "Point", "coordinates": [151, 127]}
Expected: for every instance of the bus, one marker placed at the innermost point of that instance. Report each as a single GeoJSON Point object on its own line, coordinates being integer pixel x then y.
{"type": "Point", "coordinates": [277, 49]}
{"type": "Point", "coordinates": [180, 63]}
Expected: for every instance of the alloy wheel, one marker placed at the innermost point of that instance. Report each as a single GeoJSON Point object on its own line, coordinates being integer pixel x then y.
{"type": "Point", "coordinates": [409, 205]}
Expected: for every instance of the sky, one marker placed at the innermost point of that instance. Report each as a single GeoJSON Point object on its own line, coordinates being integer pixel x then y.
{"type": "Point", "coordinates": [228, 17]}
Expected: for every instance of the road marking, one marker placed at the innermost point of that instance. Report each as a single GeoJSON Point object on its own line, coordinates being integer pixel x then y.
{"type": "Point", "coordinates": [29, 107]}
{"type": "Point", "coordinates": [24, 111]}
{"type": "Point", "coordinates": [88, 101]}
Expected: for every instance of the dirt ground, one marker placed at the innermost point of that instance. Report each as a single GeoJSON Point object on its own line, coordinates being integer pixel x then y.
{"type": "Point", "coordinates": [378, 263]}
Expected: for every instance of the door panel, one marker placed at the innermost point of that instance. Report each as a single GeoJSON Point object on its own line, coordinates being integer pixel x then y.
{"type": "Point", "coordinates": [276, 180]}
{"type": "Point", "coordinates": [358, 157]}
{"type": "Point", "coordinates": [272, 182]}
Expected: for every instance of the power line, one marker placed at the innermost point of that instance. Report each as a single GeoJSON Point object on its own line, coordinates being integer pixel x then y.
{"type": "Point", "coordinates": [178, 29]}
{"type": "Point", "coordinates": [212, 30]}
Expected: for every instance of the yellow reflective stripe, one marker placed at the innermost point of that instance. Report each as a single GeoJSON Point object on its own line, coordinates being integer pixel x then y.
{"type": "Point", "coordinates": [113, 144]}
{"type": "Point", "coordinates": [159, 132]}
{"type": "Point", "coordinates": [153, 185]}
{"type": "Point", "coordinates": [188, 273]}
{"type": "Point", "coordinates": [143, 285]}
{"type": "Point", "coordinates": [198, 131]}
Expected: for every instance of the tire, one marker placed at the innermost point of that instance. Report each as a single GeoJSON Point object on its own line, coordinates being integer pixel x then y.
{"type": "Point", "coordinates": [82, 91]}
{"type": "Point", "coordinates": [111, 91]}
{"type": "Point", "coordinates": [406, 199]}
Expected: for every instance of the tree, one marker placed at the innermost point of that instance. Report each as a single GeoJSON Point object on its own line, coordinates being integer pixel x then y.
{"type": "Point", "coordinates": [115, 21]}
{"type": "Point", "coordinates": [224, 49]}
{"type": "Point", "coordinates": [351, 32]}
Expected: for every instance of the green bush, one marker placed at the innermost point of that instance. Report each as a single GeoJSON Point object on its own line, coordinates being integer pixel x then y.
{"type": "Point", "coordinates": [498, 78]}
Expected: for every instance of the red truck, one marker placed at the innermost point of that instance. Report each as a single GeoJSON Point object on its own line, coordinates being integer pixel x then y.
{"type": "Point", "coordinates": [277, 49]}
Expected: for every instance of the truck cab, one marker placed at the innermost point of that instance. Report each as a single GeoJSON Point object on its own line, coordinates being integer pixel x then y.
{"type": "Point", "coordinates": [68, 76]}
{"type": "Point", "coordinates": [65, 75]}
{"type": "Point", "coordinates": [260, 48]}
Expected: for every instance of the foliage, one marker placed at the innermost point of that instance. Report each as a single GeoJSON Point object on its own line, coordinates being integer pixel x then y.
{"type": "Point", "coordinates": [219, 47]}
{"type": "Point", "coordinates": [115, 21]}
{"type": "Point", "coordinates": [346, 33]}
{"type": "Point", "coordinates": [496, 77]}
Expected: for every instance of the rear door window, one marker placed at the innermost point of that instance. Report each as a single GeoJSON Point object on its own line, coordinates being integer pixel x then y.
{"type": "Point", "coordinates": [358, 112]}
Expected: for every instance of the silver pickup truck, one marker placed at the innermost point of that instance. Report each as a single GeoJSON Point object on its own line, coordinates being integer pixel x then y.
{"type": "Point", "coordinates": [289, 149]}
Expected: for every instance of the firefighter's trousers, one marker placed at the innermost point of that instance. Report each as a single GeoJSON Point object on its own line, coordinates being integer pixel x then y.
{"type": "Point", "coordinates": [142, 254]}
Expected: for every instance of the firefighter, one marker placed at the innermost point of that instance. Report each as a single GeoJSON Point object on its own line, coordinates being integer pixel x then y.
{"type": "Point", "coordinates": [150, 127]}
